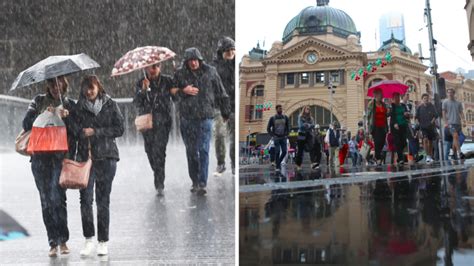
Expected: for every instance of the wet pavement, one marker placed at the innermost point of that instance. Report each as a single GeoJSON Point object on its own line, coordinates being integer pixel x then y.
{"type": "Point", "coordinates": [179, 228]}
{"type": "Point", "coordinates": [406, 215]}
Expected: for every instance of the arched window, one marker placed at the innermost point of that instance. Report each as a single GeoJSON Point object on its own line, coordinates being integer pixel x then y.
{"type": "Point", "coordinates": [321, 115]}
{"type": "Point", "coordinates": [411, 85]}
{"type": "Point", "coordinates": [373, 82]}
{"type": "Point", "coordinates": [258, 91]}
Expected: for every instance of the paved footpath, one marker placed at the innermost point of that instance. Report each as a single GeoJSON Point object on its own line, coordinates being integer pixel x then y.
{"type": "Point", "coordinates": [179, 228]}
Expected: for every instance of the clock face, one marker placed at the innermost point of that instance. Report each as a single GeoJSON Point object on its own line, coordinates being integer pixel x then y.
{"type": "Point", "coordinates": [311, 58]}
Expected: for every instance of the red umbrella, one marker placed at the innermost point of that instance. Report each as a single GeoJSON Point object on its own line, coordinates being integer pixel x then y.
{"type": "Point", "coordinates": [141, 57]}
{"type": "Point", "coordinates": [388, 87]}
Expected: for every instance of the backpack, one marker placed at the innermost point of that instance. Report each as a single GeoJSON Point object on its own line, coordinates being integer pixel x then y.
{"type": "Point", "coordinates": [279, 125]}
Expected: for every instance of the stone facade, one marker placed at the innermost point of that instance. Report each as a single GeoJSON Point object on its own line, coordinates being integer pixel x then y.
{"type": "Point", "coordinates": [335, 55]}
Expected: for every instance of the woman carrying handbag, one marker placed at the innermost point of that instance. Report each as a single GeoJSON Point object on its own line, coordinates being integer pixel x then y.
{"type": "Point", "coordinates": [46, 166]}
{"type": "Point", "coordinates": [154, 105]}
{"type": "Point", "coordinates": [98, 121]}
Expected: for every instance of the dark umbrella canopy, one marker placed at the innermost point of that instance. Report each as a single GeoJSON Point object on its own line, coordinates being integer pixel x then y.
{"type": "Point", "coordinates": [53, 66]}
{"type": "Point", "coordinates": [9, 228]}
{"type": "Point", "coordinates": [388, 87]}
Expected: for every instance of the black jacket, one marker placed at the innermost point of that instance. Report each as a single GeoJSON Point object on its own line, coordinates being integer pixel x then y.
{"type": "Point", "coordinates": [39, 104]}
{"type": "Point", "coordinates": [108, 125]}
{"type": "Point", "coordinates": [211, 94]}
{"type": "Point", "coordinates": [158, 101]}
{"type": "Point", "coordinates": [226, 69]}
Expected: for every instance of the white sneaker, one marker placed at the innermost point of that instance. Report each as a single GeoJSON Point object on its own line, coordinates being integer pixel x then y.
{"type": "Point", "coordinates": [88, 247]}
{"type": "Point", "coordinates": [428, 159]}
{"type": "Point", "coordinates": [102, 249]}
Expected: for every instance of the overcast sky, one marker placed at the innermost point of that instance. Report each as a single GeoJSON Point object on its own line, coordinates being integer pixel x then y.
{"type": "Point", "coordinates": [259, 20]}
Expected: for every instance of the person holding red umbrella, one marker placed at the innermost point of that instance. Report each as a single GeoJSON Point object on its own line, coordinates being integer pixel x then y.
{"type": "Point", "coordinates": [377, 123]}
{"type": "Point", "coordinates": [399, 125]}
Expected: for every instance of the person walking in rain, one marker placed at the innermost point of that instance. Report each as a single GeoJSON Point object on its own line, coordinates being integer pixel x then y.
{"type": "Point", "coordinates": [454, 119]}
{"type": "Point", "coordinates": [46, 167]}
{"type": "Point", "coordinates": [225, 65]}
{"type": "Point", "coordinates": [334, 138]}
{"type": "Point", "coordinates": [377, 123]}
{"type": "Point", "coordinates": [98, 122]}
{"type": "Point", "coordinates": [306, 140]}
{"type": "Point", "coordinates": [279, 127]}
{"type": "Point", "coordinates": [399, 119]}
{"type": "Point", "coordinates": [426, 117]}
{"type": "Point", "coordinates": [199, 89]}
{"type": "Point", "coordinates": [158, 102]}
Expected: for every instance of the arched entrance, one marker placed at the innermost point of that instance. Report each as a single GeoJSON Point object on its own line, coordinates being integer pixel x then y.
{"type": "Point", "coordinates": [321, 115]}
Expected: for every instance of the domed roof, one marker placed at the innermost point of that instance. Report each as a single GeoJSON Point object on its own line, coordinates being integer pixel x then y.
{"type": "Point", "coordinates": [388, 43]}
{"type": "Point", "coordinates": [315, 20]}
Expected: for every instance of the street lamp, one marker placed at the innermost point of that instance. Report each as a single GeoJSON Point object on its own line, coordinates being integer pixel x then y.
{"type": "Point", "coordinates": [331, 88]}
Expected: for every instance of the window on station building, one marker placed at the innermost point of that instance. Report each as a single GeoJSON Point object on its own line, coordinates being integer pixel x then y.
{"type": "Point", "coordinates": [373, 82]}
{"type": "Point", "coordinates": [320, 78]}
{"type": "Point", "coordinates": [290, 79]}
{"type": "Point", "coordinates": [335, 77]}
{"type": "Point", "coordinates": [258, 115]}
{"type": "Point", "coordinates": [411, 85]}
{"type": "Point", "coordinates": [305, 78]}
{"type": "Point", "coordinates": [258, 91]}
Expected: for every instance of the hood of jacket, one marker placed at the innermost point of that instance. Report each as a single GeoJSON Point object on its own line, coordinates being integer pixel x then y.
{"type": "Point", "coordinates": [224, 44]}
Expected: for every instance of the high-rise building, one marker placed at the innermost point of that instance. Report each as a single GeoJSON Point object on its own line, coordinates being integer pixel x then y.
{"type": "Point", "coordinates": [470, 22]}
{"type": "Point", "coordinates": [389, 23]}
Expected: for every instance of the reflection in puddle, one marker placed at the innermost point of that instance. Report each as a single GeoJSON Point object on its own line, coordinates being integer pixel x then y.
{"type": "Point", "coordinates": [426, 220]}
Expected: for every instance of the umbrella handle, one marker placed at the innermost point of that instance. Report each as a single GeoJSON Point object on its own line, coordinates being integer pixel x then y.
{"type": "Point", "coordinates": [59, 90]}
{"type": "Point", "coordinates": [144, 74]}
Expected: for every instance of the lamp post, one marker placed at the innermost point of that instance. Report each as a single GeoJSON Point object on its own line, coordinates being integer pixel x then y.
{"type": "Point", "coordinates": [331, 88]}
{"type": "Point", "coordinates": [434, 72]}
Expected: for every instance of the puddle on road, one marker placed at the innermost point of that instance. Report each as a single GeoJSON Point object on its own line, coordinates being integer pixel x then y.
{"type": "Point", "coordinates": [427, 220]}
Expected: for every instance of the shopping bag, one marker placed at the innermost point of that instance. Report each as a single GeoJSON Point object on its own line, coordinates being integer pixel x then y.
{"type": "Point", "coordinates": [21, 142]}
{"type": "Point", "coordinates": [48, 134]}
{"type": "Point", "coordinates": [144, 122]}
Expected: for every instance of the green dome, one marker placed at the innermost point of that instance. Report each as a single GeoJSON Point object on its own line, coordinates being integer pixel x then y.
{"type": "Point", "coordinates": [315, 20]}
{"type": "Point", "coordinates": [388, 43]}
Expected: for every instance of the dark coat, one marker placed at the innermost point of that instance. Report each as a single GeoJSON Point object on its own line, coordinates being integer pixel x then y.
{"type": "Point", "coordinates": [212, 93]}
{"type": "Point", "coordinates": [226, 69]}
{"type": "Point", "coordinates": [334, 136]}
{"type": "Point", "coordinates": [39, 104]}
{"type": "Point", "coordinates": [108, 125]}
{"type": "Point", "coordinates": [157, 101]}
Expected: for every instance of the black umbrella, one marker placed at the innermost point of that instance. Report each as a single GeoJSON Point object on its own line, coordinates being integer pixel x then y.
{"type": "Point", "coordinates": [52, 67]}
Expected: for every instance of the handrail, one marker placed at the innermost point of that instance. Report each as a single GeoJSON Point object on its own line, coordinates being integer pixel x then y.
{"type": "Point", "coordinates": [23, 100]}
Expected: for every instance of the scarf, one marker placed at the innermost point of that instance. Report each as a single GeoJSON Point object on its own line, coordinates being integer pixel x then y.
{"type": "Point", "coordinates": [94, 107]}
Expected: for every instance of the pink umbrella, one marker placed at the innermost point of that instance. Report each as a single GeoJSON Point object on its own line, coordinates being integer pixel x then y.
{"type": "Point", "coordinates": [141, 57]}
{"type": "Point", "coordinates": [388, 87]}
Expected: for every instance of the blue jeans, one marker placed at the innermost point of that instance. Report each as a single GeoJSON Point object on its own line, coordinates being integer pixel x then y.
{"type": "Point", "coordinates": [46, 170]}
{"type": "Point", "coordinates": [280, 145]}
{"type": "Point", "coordinates": [447, 147]}
{"type": "Point", "coordinates": [354, 157]}
{"type": "Point", "coordinates": [197, 139]}
{"type": "Point", "coordinates": [102, 174]}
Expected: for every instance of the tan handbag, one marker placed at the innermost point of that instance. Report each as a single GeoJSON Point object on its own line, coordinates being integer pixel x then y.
{"type": "Point", "coordinates": [21, 142]}
{"type": "Point", "coordinates": [75, 175]}
{"type": "Point", "coordinates": [144, 122]}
